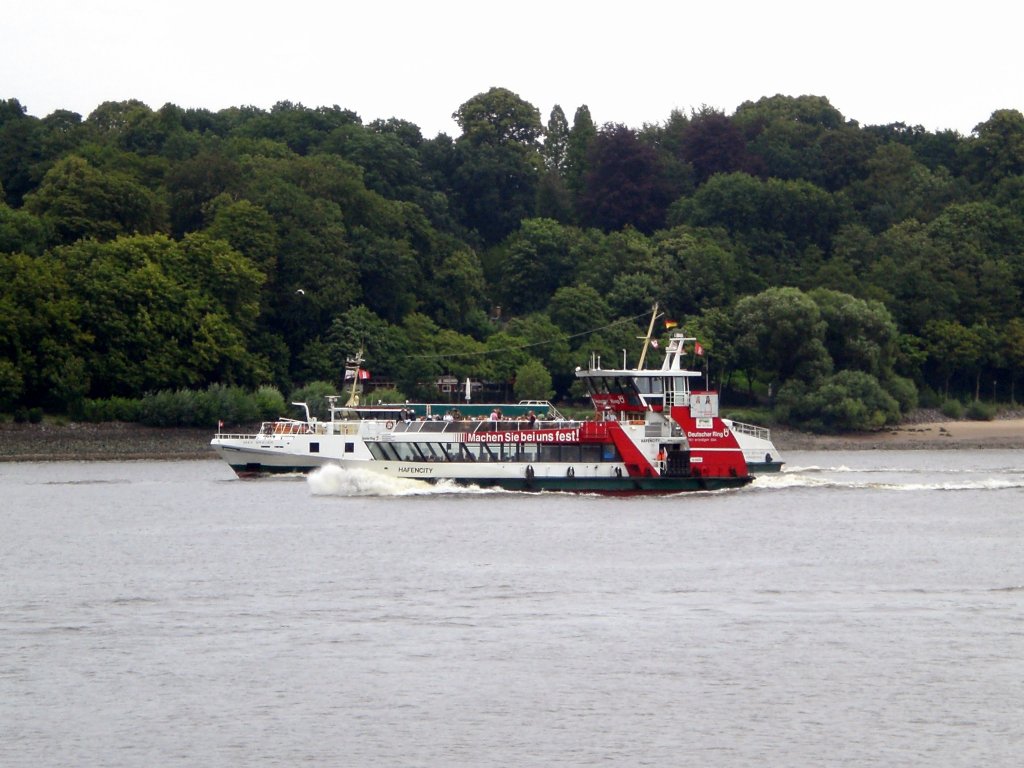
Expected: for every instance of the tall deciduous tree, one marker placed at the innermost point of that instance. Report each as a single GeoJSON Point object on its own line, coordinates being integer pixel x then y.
{"type": "Point", "coordinates": [781, 333]}
{"type": "Point", "coordinates": [626, 183]}
{"type": "Point", "coordinates": [497, 162]}
{"type": "Point", "coordinates": [78, 200]}
{"type": "Point", "coordinates": [997, 151]}
{"type": "Point", "coordinates": [577, 150]}
{"type": "Point", "coordinates": [556, 141]}
{"type": "Point", "coordinates": [859, 335]}
{"type": "Point", "coordinates": [711, 144]}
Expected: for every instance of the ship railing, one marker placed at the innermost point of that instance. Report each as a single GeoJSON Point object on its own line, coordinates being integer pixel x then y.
{"type": "Point", "coordinates": [285, 427]}
{"type": "Point", "coordinates": [761, 433]}
{"type": "Point", "coordinates": [483, 425]}
{"type": "Point", "coordinates": [237, 435]}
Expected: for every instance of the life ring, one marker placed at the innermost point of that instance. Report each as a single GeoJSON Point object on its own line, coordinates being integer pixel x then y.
{"type": "Point", "coordinates": [389, 424]}
{"type": "Point", "coordinates": [570, 472]}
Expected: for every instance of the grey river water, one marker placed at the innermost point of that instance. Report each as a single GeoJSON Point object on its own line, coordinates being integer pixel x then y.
{"type": "Point", "coordinates": [860, 609]}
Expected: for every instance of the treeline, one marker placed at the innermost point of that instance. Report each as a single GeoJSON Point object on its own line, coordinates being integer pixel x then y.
{"type": "Point", "coordinates": [840, 273]}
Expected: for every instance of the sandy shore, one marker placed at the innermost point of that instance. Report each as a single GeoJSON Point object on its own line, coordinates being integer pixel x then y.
{"type": "Point", "coordinates": [119, 442]}
{"type": "Point", "coordinates": [1000, 433]}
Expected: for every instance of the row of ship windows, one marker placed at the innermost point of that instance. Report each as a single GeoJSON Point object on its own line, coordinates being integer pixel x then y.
{"type": "Point", "coordinates": [471, 452]}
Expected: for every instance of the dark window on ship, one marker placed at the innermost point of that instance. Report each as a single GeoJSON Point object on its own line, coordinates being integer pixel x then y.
{"type": "Point", "coordinates": [386, 450]}
{"type": "Point", "coordinates": [349, 447]}
{"type": "Point", "coordinates": [314, 447]}
{"type": "Point", "coordinates": [432, 451]}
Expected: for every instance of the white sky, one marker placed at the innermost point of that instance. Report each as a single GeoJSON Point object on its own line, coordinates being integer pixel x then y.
{"type": "Point", "coordinates": [938, 64]}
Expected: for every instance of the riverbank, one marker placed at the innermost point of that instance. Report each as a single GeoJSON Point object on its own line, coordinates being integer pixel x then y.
{"type": "Point", "coordinates": [125, 442]}
{"type": "Point", "coordinates": [115, 441]}
{"type": "Point", "coordinates": [929, 435]}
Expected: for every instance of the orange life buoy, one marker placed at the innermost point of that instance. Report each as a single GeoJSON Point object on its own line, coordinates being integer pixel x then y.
{"type": "Point", "coordinates": [390, 425]}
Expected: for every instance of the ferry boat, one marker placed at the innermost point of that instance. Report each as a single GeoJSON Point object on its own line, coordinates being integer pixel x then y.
{"type": "Point", "coordinates": [650, 433]}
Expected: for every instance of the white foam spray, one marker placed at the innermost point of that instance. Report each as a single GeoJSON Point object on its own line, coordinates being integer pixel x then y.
{"type": "Point", "coordinates": [333, 480]}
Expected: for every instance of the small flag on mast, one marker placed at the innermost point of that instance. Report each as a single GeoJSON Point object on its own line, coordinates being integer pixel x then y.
{"type": "Point", "coordinates": [698, 348]}
{"type": "Point", "coordinates": [669, 324]}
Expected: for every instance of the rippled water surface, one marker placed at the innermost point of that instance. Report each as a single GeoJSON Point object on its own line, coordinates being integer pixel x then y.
{"type": "Point", "coordinates": [861, 608]}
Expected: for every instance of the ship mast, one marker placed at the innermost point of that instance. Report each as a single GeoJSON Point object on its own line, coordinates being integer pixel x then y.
{"type": "Point", "coordinates": [647, 338]}
{"type": "Point", "coordinates": [352, 364]}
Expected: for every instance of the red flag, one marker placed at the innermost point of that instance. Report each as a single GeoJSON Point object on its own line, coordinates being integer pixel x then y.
{"type": "Point", "coordinates": [698, 348]}
{"type": "Point", "coordinates": [363, 374]}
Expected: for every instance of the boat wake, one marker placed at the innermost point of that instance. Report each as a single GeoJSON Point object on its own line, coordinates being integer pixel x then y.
{"type": "Point", "coordinates": [845, 478]}
{"type": "Point", "coordinates": [332, 480]}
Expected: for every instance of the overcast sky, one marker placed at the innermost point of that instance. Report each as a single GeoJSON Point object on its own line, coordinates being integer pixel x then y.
{"type": "Point", "coordinates": [939, 64]}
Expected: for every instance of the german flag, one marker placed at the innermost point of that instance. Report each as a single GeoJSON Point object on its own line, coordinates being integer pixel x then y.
{"type": "Point", "coordinates": [669, 324]}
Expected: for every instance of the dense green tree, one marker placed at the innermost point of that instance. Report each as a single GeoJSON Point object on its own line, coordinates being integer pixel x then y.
{"type": "Point", "coordinates": [781, 334]}
{"type": "Point", "coordinates": [899, 187]}
{"type": "Point", "coordinates": [300, 128]}
{"type": "Point", "coordinates": [20, 231]}
{"type": "Point", "coordinates": [577, 309]}
{"type": "Point", "coordinates": [984, 243]}
{"type": "Point", "coordinates": [249, 229]}
{"type": "Point", "coordinates": [164, 314]}
{"type": "Point", "coordinates": [554, 200]}
{"type": "Point", "coordinates": [953, 349]}
{"type": "Point", "coordinates": [787, 135]}
{"type": "Point", "coordinates": [633, 292]}
{"type": "Point", "coordinates": [41, 334]}
{"type": "Point", "coordinates": [577, 150]}
{"type": "Point", "coordinates": [913, 273]}
{"type": "Point", "coordinates": [545, 341]}
{"type": "Point", "coordinates": [495, 186]}
{"type": "Point", "coordinates": [847, 400]}
{"type": "Point", "coordinates": [533, 382]}
{"type": "Point", "coordinates": [497, 162]}
{"type": "Point", "coordinates": [21, 151]}
{"type": "Point", "coordinates": [538, 261]}
{"type": "Point", "coordinates": [556, 141]}
{"type": "Point", "coordinates": [459, 289]}
{"type": "Point", "coordinates": [787, 224]}
{"type": "Point", "coordinates": [499, 116]}
{"type": "Point", "coordinates": [193, 182]}
{"type": "Point", "coordinates": [698, 273]}
{"type": "Point", "coordinates": [77, 200]}
{"type": "Point", "coordinates": [859, 335]}
{"type": "Point", "coordinates": [997, 150]}
{"type": "Point", "coordinates": [1012, 351]}
{"type": "Point", "coordinates": [601, 258]}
